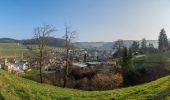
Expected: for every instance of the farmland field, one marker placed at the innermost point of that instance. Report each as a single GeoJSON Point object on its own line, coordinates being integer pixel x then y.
{"type": "Point", "coordinates": [17, 50]}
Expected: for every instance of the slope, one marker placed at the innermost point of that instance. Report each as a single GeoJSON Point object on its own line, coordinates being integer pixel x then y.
{"type": "Point", "coordinates": [15, 88]}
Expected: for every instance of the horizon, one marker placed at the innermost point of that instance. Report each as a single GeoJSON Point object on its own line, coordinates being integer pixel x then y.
{"type": "Point", "coordinates": [96, 20]}
{"type": "Point", "coordinates": [78, 41]}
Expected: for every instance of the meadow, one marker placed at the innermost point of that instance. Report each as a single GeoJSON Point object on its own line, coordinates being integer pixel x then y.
{"type": "Point", "coordinates": [16, 50]}
{"type": "Point", "coordinates": [16, 88]}
{"type": "Point", "coordinates": [8, 50]}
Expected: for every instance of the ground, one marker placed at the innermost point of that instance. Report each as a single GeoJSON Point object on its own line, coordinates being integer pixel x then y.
{"type": "Point", "coordinates": [16, 88]}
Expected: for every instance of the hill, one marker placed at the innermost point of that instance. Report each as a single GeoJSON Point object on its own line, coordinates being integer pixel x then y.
{"type": "Point", "coordinates": [8, 40]}
{"type": "Point", "coordinates": [55, 42]}
{"type": "Point", "coordinates": [58, 42]}
{"type": "Point", "coordinates": [109, 45]}
{"type": "Point", "coordinates": [16, 88]}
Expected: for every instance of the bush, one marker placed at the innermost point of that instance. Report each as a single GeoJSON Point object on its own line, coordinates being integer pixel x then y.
{"type": "Point", "coordinates": [131, 77]}
{"type": "Point", "coordinates": [142, 70]}
{"type": "Point", "coordinates": [106, 81]}
{"type": "Point", "coordinates": [35, 76]}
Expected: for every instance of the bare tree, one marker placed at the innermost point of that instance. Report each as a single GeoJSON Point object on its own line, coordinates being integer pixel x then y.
{"type": "Point", "coordinates": [69, 37]}
{"type": "Point", "coordinates": [41, 37]}
{"type": "Point", "coordinates": [118, 47]}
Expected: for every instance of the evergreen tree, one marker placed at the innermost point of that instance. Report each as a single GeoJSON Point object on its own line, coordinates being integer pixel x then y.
{"type": "Point", "coordinates": [143, 45]}
{"type": "Point", "coordinates": [163, 41]}
{"type": "Point", "coordinates": [127, 62]}
{"type": "Point", "coordinates": [151, 45]}
{"type": "Point", "coordinates": [134, 47]}
{"type": "Point", "coordinates": [125, 57]}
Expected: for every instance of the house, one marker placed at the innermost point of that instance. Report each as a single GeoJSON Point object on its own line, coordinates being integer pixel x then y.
{"type": "Point", "coordinates": [22, 65]}
{"type": "Point", "coordinates": [19, 66]}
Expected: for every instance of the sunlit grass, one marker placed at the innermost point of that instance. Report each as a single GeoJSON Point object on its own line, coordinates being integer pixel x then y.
{"type": "Point", "coordinates": [15, 88]}
{"type": "Point", "coordinates": [153, 57]}
{"type": "Point", "coordinates": [9, 50]}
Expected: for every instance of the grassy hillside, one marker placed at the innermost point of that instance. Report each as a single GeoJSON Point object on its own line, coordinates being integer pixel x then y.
{"type": "Point", "coordinates": [11, 50]}
{"type": "Point", "coordinates": [15, 88]}
{"type": "Point", "coordinates": [154, 57]}
{"type": "Point", "coordinates": [152, 66]}
{"type": "Point", "coordinates": [8, 50]}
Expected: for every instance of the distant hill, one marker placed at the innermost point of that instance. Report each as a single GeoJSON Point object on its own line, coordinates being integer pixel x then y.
{"type": "Point", "coordinates": [90, 44]}
{"type": "Point", "coordinates": [55, 42]}
{"type": "Point", "coordinates": [8, 40]}
{"type": "Point", "coordinates": [109, 45]}
{"type": "Point", "coordinates": [58, 42]}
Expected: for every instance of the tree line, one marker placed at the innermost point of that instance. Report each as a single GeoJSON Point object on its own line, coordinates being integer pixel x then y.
{"type": "Point", "coordinates": [124, 55]}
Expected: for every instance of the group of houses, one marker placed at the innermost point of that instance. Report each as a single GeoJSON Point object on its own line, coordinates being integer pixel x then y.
{"type": "Point", "coordinates": [89, 55]}
{"type": "Point", "coordinates": [13, 65]}
{"type": "Point", "coordinates": [56, 61]}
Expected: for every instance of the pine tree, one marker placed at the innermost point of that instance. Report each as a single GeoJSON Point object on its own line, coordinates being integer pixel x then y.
{"type": "Point", "coordinates": [135, 47]}
{"type": "Point", "coordinates": [163, 41]}
{"type": "Point", "coordinates": [143, 45]}
{"type": "Point", "coordinates": [127, 62]}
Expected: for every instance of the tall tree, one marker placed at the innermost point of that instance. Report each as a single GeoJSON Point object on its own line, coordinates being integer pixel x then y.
{"type": "Point", "coordinates": [151, 48]}
{"type": "Point", "coordinates": [69, 37]}
{"type": "Point", "coordinates": [127, 62]}
{"type": "Point", "coordinates": [41, 37]}
{"type": "Point", "coordinates": [143, 45]}
{"type": "Point", "coordinates": [127, 59]}
{"type": "Point", "coordinates": [85, 56]}
{"type": "Point", "coordinates": [135, 47]}
{"type": "Point", "coordinates": [163, 41]}
{"type": "Point", "coordinates": [118, 48]}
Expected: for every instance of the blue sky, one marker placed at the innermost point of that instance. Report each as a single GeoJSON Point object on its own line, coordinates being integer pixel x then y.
{"type": "Point", "coordinates": [95, 20]}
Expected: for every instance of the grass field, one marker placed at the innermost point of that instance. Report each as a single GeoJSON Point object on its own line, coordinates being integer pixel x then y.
{"type": "Point", "coordinates": [16, 88]}
{"type": "Point", "coordinates": [11, 50]}
{"type": "Point", "coordinates": [154, 57]}
{"type": "Point", "coordinates": [8, 50]}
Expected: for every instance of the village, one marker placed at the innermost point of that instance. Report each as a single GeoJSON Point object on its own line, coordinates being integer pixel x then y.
{"type": "Point", "coordinates": [80, 58]}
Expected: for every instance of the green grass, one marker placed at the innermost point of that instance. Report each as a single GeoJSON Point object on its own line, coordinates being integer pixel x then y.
{"type": "Point", "coordinates": [34, 75]}
{"type": "Point", "coordinates": [11, 50]}
{"type": "Point", "coordinates": [16, 88]}
{"type": "Point", "coordinates": [8, 50]}
{"type": "Point", "coordinates": [153, 57]}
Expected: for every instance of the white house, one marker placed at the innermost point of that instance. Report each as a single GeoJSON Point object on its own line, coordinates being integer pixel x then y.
{"type": "Point", "coordinates": [21, 65]}
{"type": "Point", "coordinates": [17, 66]}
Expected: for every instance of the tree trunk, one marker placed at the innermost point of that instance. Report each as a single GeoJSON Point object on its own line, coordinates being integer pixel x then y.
{"type": "Point", "coordinates": [41, 80]}
{"type": "Point", "coordinates": [40, 62]}
{"type": "Point", "coordinates": [66, 69]}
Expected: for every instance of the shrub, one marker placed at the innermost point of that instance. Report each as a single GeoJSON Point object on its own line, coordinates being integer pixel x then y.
{"type": "Point", "coordinates": [142, 70]}
{"type": "Point", "coordinates": [34, 75]}
{"type": "Point", "coordinates": [132, 77]}
{"type": "Point", "coordinates": [106, 81]}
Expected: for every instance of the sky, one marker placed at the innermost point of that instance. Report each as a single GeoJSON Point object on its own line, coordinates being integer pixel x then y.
{"type": "Point", "coordinates": [94, 20]}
